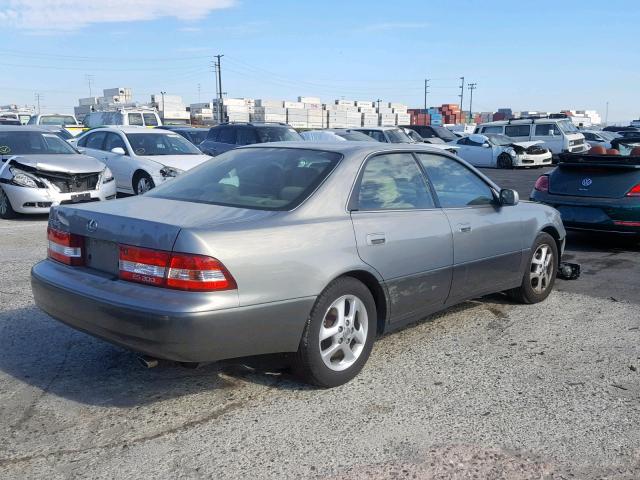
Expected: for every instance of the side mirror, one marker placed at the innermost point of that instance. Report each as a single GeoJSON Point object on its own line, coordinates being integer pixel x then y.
{"type": "Point", "coordinates": [118, 151]}
{"type": "Point", "coordinates": [508, 197]}
{"type": "Point", "coordinates": [486, 145]}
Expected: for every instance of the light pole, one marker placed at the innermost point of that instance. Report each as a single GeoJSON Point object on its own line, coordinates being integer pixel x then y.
{"type": "Point", "coordinates": [163, 93]}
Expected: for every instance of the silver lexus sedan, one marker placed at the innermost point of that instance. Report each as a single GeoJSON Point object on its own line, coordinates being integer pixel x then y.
{"type": "Point", "coordinates": [309, 248]}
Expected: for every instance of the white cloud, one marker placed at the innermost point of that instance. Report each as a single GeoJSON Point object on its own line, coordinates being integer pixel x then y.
{"type": "Point", "coordinates": [69, 15]}
{"type": "Point", "coordinates": [378, 27]}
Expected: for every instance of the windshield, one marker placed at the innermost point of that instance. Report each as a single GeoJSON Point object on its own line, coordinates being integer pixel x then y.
{"type": "Point", "coordinates": [567, 126]}
{"type": "Point", "coordinates": [499, 140]}
{"type": "Point", "coordinates": [278, 134]}
{"type": "Point", "coordinates": [398, 136]}
{"type": "Point", "coordinates": [57, 120]}
{"type": "Point", "coordinates": [256, 178]}
{"type": "Point", "coordinates": [33, 143]}
{"type": "Point", "coordinates": [355, 136]}
{"type": "Point", "coordinates": [445, 134]}
{"type": "Point", "coordinates": [161, 144]}
{"type": "Point", "coordinates": [415, 136]}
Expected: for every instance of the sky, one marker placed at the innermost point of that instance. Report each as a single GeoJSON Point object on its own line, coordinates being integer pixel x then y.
{"type": "Point", "coordinates": [542, 55]}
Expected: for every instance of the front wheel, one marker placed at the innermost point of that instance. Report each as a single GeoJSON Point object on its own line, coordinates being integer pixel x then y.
{"type": "Point", "coordinates": [505, 161]}
{"type": "Point", "coordinates": [142, 183]}
{"type": "Point", "coordinates": [540, 276]}
{"type": "Point", "coordinates": [338, 336]}
{"type": "Point", "coordinates": [6, 210]}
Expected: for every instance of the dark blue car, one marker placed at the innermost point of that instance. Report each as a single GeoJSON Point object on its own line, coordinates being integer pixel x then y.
{"type": "Point", "coordinates": [228, 136]}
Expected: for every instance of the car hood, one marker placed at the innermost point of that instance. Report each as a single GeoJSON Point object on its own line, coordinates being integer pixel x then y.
{"type": "Point", "coordinates": [72, 163]}
{"type": "Point", "coordinates": [182, 162]}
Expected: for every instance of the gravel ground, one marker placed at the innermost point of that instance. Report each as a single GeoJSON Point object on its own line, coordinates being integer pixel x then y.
{"type": "Point", "coordinates": [487, 389]}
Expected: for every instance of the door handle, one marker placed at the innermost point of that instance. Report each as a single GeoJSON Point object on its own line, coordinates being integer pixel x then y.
{"type": "Point", "coordinates": [376, 239]}
{"type": "Point", "coordinates": [464, 227]}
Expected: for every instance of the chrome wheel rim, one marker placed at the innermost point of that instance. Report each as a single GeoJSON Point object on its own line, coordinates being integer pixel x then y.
{"type": "Point", "coordinates": [343, 332]}
{"type": "Point", "coordinates": [541, 269]}
{"type": "Point", "coordinates": [3, 202]}
{"type": "Point", "coordinates": [144, 185]}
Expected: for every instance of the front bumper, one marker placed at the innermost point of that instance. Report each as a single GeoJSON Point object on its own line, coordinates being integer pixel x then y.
{"type": "Point", "coordinates": [40, 200]}
{"type": "Point", "coordinates": [163, 323]}
{"type": "Point", "coordinates": [527, 160]}
{"type": "Point", "coordinates": [593, 214]}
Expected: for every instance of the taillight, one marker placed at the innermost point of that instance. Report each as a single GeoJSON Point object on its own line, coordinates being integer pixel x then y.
{"type": "Point", "coordinates": [65, 247]}
{"type": "Point", "coordinates": [198, 273]}
{"type": "Point", "coordinates": [634, 192]}
{"type": "Point", "coordinates": [542, 183]}
{"type": "Point", "coordinates": [143, 265]}
{"type": "Point", "coordinates": [179, 271]}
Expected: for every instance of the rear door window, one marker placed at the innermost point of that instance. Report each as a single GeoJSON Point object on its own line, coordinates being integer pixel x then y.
{"type": "Point", "coordinates": [246, 136]}
{"type": "Point", "coordinates": [492, 129]}
{"type": "Point", "coordinates": [150, 119]}
{"type": "Point", "coordinates": [95, 140]}
{"type": "Point", "coordinates": [455, 185]}
{"type": "Point", "coordinates": [135, 119]}
{"type": "Point", "coordinates": [516, 130]}
{"type": "Point", "coordinates": [393, 182]}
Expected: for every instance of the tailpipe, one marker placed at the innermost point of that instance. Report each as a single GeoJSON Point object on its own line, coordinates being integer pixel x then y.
{"type": "Point", "coordinates": [148, 362]}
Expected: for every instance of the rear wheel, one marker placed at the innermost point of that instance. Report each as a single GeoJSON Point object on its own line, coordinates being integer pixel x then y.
{"type": "Point", "coordinates": [505, 161]}
{"type": "Point", "coordinates": [338, 336]}
{"type": "Point", "coordinates": [142, 182]}
{"type": "Point", "coordinates": [540, 276]}
{"type": "Point", "coordinates": [6, 210]}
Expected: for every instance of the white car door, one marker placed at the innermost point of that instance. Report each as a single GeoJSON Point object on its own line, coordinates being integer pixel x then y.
{"type": "Point", "coordinates": [93, 144]}
{"type": "Point", "coordinates": [120, 162]}
{"type": "Point", "coordinates": [473, 151]}
{"type": "Point", "coordinates": [550, 134]}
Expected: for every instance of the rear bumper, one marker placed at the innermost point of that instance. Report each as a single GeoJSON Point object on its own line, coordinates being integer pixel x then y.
{"type": "Point", "coordinates": [593, 214]}
{"type": "Point", "coordinates": [170, 329]}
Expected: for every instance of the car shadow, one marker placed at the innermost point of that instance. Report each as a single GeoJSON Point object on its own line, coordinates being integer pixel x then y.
{"type": "Point", "coordinates": [58, 360]}
{"type": "Point", "coordinates": [601, 242]}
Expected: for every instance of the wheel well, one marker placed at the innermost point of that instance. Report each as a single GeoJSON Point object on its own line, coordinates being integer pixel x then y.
{"type": "Point", "coordinates": [379, 297]}
{"type": "Point", "coordinates": [556, 236]}
{"type": "Point", "coordinates": [137, 174]}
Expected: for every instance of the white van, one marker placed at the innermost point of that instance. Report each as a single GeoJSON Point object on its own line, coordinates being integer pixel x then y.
{"type": "Point", "coordinates": [133, 118]}
{"type": "Point", "coordinates": [559, 135]}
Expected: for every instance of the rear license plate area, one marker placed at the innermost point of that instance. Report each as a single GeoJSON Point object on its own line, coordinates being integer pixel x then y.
{"type": "Point", "coordinates": [582, 214]}
{"type": "Point", "coordinates": [102, 255]}
{"type": "Point", "coordinates": [80, 197]}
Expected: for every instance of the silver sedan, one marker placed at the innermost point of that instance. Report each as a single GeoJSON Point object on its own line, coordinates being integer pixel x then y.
{"type": "Point", "coordinates": [302, 247]}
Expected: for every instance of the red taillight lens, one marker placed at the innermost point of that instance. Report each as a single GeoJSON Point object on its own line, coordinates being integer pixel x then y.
{"type": "Point", "coordinates": [143, 265]}
{"type": "Point", "coordinates": [198, 273]}
{"type": "Point", "coordinates": [634, 192]}
{"type": "Point", "coordinates": [65, 247]}
{"type": "Point", "coordinates": [542, 183]}
{"type": "Point", "coordinates": [180, 271]}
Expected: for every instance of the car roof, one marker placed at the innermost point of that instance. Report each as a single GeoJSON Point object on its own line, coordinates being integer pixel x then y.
{"type": "Point", "coordinates": [388, 127]}
{"type": "Point", "coordinates": [348, 147]}
{"type": "Point", "coordinates": [130, 129]}
{"type": "Point", "coordinates": [22, 128]}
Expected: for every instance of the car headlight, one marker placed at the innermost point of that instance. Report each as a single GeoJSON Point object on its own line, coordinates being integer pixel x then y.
{"type": "Point", "coordinates": [170, 172]}
{"type": "Point", "coordinates": [23, 179]}
{"type": "Point", "coordinates": [107, 176]}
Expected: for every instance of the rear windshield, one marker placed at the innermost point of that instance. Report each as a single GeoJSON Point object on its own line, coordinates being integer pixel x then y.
{"type": "Point", "coordinates": [445, 134]}
{"type": "Point", "coordinates": [398, 136]}
{"type": "Point", "coordinates": [197, 136]}
{"type": "Point", "coordinates": [57, 120]}
{"type": "Point", "coordinates": [255, 178]}
{"type": "Point", "coordinates": [277, 134]}
{"type": "Point", "coordinates": [32, 143]}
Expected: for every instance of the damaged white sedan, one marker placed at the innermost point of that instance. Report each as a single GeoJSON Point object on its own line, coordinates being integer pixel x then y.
{"type": "Point", "coordinates": [500, 151]}
{"type": "Point", "coordinates": [39, 170]}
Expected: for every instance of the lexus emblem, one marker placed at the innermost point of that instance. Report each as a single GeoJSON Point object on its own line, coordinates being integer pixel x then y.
{"type": "Point", "coordinates": [92, 225]}
{"type": "Point", "coordinates": [586, 182]}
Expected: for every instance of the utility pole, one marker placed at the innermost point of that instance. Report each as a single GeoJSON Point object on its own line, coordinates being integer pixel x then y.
{"type": "Point", "coordinates": [38, 97]}
{"type": "Point", "coordinates": [219, 68]}
{"type": "Point", "coordinates": [606, 114]}
{"type": "Point", "coordinates": [461, 93]}
{"type": "Point", "coordinates": [89, 79]}
{"type": "Point", "coordinates": [472, 87]}
{"type": "Point", "coordinates": [378, 110]}
{"type": "Point", "coordinates": [426, 90]}
{"type": "Point", "coordinates": [198, 93]}
{"type": "Point", "coordinates": [163, 94]}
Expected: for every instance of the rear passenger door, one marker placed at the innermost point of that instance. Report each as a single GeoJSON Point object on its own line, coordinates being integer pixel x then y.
{"type": "Point", "coordinates": [402, 234]}
{"type": "Point", "coordinates": [520, 133]}
{"type": "Point", "coordinates": [487, 238]}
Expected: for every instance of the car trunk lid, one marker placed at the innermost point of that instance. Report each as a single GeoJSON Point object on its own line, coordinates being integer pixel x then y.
{"type": "Point", "coordinates": [597, 176]}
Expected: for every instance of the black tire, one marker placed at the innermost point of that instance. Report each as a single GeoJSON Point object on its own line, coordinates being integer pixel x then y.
{"type": "Point", "coordinates": [140, 177]}
{"type": "Point", "coordinates": [527, 292]}
{"type": "Point", "coordinates": [6, 210]}
{"type": "Point", "coordinates": [307, 362]}
{"type": "Point", "coordinates": [505, 161]}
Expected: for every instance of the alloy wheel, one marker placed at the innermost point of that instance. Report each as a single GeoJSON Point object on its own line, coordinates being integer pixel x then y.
{"type": "Point", "coordinates": [343, 332]}
{"type": "Point", "coordinates": [144, 185]}
{"type": "Point", "coordinates": [4, 203]}
{"type": "Point", "coordinates": [541, 268]}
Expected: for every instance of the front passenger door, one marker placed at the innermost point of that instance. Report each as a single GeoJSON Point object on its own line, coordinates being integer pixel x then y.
{"type": "Point", "coordinates": [402, 234]}
{"type": "Point", "coordinates": [120, 165]}
{"type": "Point", "coordinates": [487, 237]}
